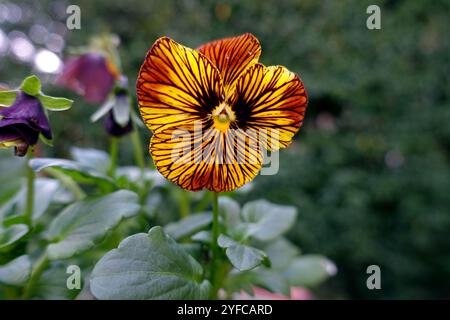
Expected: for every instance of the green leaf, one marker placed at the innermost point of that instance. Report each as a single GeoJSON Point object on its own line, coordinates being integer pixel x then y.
{"type": "Point", "coordinates": [7, 98]}
{"type": "Point", "coordinates": [309, 270]}
{"type": "Point", "coordinates": [16, 272]}
{"type": "Point", "coordinates": [271, 280]}
{"type": "Point", "coordinates": [44, 190]}
{"type": "Point", "coordinates": [55, 104]}
{"type": "Point", "coordinates": [230, 210]}
{"type": "Point", "coordinates": [11, 169]}
{"type": "Point", "coordinates": [85, 223]}
{"type": "Point", "coordinates": [281, 252]}
{"type": "Point", "coordinates": [48, 142]}
{"type": "Point", "coordinates": [31, 85]}
{"type": "Point", "coordinates": [9, 236]}
{"type": "Point", "coordinates": [242, 257]}
{"type": "Point", "coordinates": [266, 220]}
{"type": "Point", "coordinates": [52, 285]}
{"type": "Point", "coordinates": [189, 225]}
{"type": "Point", "coordinates": [148, 266]}
{"type": "Point", "coordinates": [77, 171]}
{"type": "Point", "coordinates": [98, 160]}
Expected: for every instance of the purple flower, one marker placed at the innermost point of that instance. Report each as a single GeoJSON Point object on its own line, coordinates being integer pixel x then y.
{"type": "Point", "coordinates": [90, 75]}
{"type": "Point", "coordinates": [22, 122]}
{"type": "Point", "coordinates": [118, 121]}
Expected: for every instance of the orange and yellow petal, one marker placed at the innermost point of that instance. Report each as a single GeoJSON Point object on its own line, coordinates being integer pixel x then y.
{"type": "Point", "coordinates": [211, 159]}
{"type": "Point", "coordinates": [232, 56]}
{"type": "Point", "coordinates": [270, 101]}
{"type": "Point", "coordinates": [176, 86]}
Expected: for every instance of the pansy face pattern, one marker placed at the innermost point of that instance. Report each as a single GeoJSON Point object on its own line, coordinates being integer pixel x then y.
{"type": "Point", "coordinates": [215, 111]}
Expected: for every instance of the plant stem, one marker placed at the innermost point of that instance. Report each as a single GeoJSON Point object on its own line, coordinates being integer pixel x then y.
{"type": "Point", "coordinates": [215, 247]}
{"type": "Point", "coordinates": [68, 182]}
{"type": "Point", "coordinates": [36, 273]}
{"type": "Point", "coordinates": [113, 153]}
{"type": "Point", "coordinates": [28, 213]}
{"type": "Point", "coordinates": [137, 149]}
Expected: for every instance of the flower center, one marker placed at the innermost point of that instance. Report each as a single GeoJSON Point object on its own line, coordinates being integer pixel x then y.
{"type": "Point", "coordinates": [223, 116]}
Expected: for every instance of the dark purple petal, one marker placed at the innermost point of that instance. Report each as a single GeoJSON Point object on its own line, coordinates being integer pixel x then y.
{"type": "Point", "coordinates": [89, 76]}
{"type": "Point", "coordinates": [115, 129]}
{"type": "Point", "coordinates": [27, 114]}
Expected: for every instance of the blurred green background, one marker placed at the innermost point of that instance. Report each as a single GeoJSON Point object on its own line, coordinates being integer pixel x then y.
{"type": "Point", "coordinates": [369, 170]}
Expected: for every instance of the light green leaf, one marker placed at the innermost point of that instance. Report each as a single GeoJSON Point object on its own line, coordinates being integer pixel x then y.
{"type": "Point", "coordinates": [309, 270]}
{"type": "Point", "coordinates": [9, 236]}
{"type": "Point", "coordinates": [31, 85]}
{"type": "Point", "coordinates": [77, 171]}
{"type": "Point", "coordinates": [85, 223]}
{"type": "Point", "coordinates": [54, 103]}
{"type": "Point", "coordinates": [16, 272]}
{"type": "Point", "coordinates": [52, 285]}
{"type": "Point", "coordinates": [148, 266]}
{"type": "Point", "coordinates": [96, 159]}
{"type": "Point", "coordinates": [44, 190]}
{"type": "Point", "coordinates": [271, 280]}
{"type": "Point", "coordinates": [230, 210]}
{"type": "Point", "coordinates": [7, 98]}
{"type": "Point", "coordinates": [189, 225]}
{"type": "Point", "coordinates": [242, 257]}
{"type": "Point", "coordinates": [266, 220]}
{"type": "Point", "coordinates": [281, 252]}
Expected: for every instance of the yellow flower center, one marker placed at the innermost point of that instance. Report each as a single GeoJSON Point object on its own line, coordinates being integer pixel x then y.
{"type": "Point", "coordinates": [223, 116]}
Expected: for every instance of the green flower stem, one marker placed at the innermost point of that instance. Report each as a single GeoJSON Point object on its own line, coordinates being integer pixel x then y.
{"type": "Point", "coordinates": [67, 182]}
{"type": "Point", "coordinates": [137, 149]}
{"type": "Point", "coordinates": [215, 264]}
{"type": "Point", "coordinates": [113, 153]}
{"type": "Point", "coordinates": [28, 213]}
{"type": "Point", "coordinates": [36, 274]}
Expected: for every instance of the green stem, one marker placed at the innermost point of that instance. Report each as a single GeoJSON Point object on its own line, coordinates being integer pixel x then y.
{"type": "Point", "coordinates": [215, 247]}
{"type": "Point", "coordinates": [113, 153]}
{"type": "Point", "coordinates": [137, 149]}
{"type": "Point", "coordinates": [67, 182]}
{"type": "Point", "coordinates": [36, 273]}
{"type": "Point", "coordinates": [28, 213]}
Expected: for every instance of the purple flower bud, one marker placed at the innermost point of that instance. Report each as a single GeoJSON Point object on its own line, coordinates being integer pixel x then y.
{"type": "Point", "coordinates": [21, 124]}
{"type": "Point", "coordinates": [114, 128]}
{"type": "Point", "coordinates": [90, 75]}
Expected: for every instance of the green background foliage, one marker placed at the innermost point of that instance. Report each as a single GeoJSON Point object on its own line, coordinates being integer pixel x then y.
{"type": "Point", "coordinates": [369, 171]}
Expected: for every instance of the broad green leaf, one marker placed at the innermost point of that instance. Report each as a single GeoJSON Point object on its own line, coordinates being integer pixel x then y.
{"type": "Point", "coordinates": [83, 224]}
{"type": "Point", "coordinates": [55, 104]}
{"type": "Point", "coordinates": [12, 170]}
{"type": "Point", "coordinates": [44, 190]}
{"type": "Point", "coordinates": [149, 266]}
{"type": "Point", "coordinates": [10, 235]}
{"type": "Point", "coordinates": [242, 257]}
{"type": "Point", "coordinates": [16, 272]}
{"type": "Point", "coordinates": [281, 252]}
{"type": "Point", "coordinates": [203, 236]}
{"type": "Point", "coordinates": [96, 159]}
{"type": "Point", "coordinates": [271, 280]}
{"type": "Point", "coordinates": [189, 225]}
{"type": "Point", "coordinates": [77, 171]}
{"type": "Point", "coordinates": [31, 85]}
{"type": "Point", "coordinates": [266, 220]}
{"type": "Point", "coordinates": [52, 285]}
{"type": "Point", "coordinates": [7, 98]}
{"type": "Point", "coordinates": [230, 211]}
{"type": "Point", "coordinates": [309, 270]}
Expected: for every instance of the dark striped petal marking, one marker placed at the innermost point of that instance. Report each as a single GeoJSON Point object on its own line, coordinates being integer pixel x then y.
{"type": "Point", "coordinates": [232, 56]}
{"type": "Point", "coordinates": [212, 159]}
{"type": "Point", "coordinates": [176, 86]}
{"type": "Point", "coordinates": [272, 100]}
